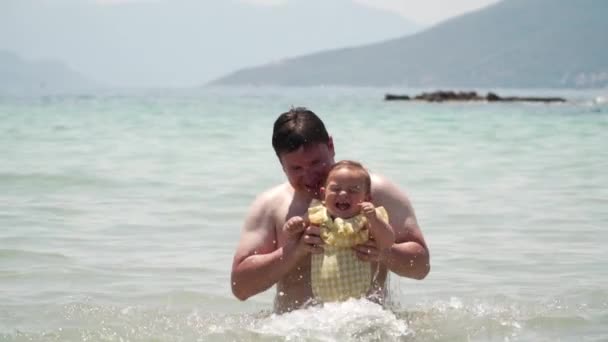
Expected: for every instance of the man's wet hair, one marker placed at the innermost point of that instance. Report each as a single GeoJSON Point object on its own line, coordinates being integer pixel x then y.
{"type": "Point", "coordinates": [352, 165]}
{"type": "Point", "coordinates": [297, 128]}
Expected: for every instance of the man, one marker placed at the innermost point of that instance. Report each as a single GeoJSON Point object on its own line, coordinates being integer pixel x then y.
{"type": "Point", "coordinates": [266, 256]}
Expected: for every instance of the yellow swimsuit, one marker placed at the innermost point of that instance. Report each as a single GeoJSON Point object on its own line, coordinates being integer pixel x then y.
{"type": "Point", "coordinates": [338, 274]}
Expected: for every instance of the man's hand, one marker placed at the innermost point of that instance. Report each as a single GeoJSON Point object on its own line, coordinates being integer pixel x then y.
{"type": "Point", "coordinates": [311, 240]}
{"type": "Point", "coordinates": [368, 251]}
{"type": "Point", "coordinates": [302, 237]}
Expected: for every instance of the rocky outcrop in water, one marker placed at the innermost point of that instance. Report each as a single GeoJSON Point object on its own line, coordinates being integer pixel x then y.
{"type": "Point", "coordinates": [443, 96]}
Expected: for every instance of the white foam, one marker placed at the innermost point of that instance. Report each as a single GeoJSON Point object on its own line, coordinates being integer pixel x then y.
{"type": "Point", "coordinates": [349, 320]}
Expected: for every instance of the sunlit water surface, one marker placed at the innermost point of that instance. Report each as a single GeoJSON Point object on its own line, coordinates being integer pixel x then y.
{"type": "Point", "coordinates": [120, 213]}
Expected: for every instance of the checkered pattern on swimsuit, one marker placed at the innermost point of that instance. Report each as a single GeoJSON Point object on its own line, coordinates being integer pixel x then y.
{"type": "Point", "coordinates": [338, 274]}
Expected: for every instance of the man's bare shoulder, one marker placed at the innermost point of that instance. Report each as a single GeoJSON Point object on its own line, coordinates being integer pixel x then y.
{"type": "Point", "coordinates": [261, 220]}
{"type": "Point", "coordinates": [401, 213]}
{"type": "Point", "coordinates": [274, 195]}
{"type": "Point", "coordinates": [267, 202]}
{"type": "Point", "coordinates": [384, 189]}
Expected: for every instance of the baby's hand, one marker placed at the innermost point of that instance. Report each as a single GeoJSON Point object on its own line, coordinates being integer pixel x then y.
{"type": "Point", "coordinates": [368, 210]}
{"type": "Point", "coordinates": [294, 226]}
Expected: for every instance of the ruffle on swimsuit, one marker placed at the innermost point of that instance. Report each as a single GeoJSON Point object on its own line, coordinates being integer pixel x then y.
{"type": "Point", "coordinates": [338, 274]}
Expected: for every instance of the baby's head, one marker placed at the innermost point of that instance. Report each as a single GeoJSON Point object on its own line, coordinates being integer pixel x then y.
{"type": "Point", "coordinates": [347, 185]}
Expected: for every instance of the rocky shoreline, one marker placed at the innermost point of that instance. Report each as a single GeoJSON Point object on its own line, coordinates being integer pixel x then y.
{"type": "Point", "coordinates": [442, 96]}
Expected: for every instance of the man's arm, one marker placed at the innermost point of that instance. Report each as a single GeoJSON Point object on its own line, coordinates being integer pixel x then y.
{"type": "Point", "coordinates": [258, 263]}
{"type": "Point", "coordinates": [409, 256]}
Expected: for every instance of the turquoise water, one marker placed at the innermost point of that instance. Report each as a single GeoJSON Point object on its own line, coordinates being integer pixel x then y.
{"type": "Point", "coordinates": [119, 215]}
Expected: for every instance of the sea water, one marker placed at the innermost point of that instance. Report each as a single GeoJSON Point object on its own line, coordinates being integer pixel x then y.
{"type": "Point", "coordinates": [120, 213]}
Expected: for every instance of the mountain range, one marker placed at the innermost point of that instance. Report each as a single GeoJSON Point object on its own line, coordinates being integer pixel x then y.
{"type": "Point", "coordinates": [514, 43]}
{"type": "Point", "coordinates": [182, 43]}
{"type": "Point", "coordinates": [20, 76]}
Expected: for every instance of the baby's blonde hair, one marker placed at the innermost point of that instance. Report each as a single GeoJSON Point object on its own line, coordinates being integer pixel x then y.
{"type": "Point", "coordinates": [352, 165]}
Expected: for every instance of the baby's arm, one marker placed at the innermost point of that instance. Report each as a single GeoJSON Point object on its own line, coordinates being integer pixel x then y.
{"type": "Point", "coordinates": [381, 230]}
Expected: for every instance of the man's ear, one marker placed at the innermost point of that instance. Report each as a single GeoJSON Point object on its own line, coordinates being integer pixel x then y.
{"type": "Point", "coordinates": [322, 191]}
{"type": "Point", "coordinates": [280, 161]}
{"type": "Point", "coordinates": [282, 165]}
{"type": "Point", "coordinates": [330, 145]}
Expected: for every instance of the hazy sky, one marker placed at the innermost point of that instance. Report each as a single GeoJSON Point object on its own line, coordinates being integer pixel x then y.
{"type": "Point", "coordinates": [190, 42]}
{"type": "Point", "coordinates": [425, 12]}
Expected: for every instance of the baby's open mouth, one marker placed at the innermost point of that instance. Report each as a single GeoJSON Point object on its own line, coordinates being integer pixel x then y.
{"type": "Point", "coordinates": [343, 206]}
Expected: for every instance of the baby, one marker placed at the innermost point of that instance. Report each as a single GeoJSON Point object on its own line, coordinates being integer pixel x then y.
{"type": "Point", "coordinates": [347, 218]}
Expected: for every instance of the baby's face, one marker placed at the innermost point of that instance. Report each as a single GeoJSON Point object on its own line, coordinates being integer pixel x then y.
{"type": "Point", "coordinates": [345, 190]}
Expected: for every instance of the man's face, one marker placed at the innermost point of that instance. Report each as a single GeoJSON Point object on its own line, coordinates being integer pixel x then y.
{"type": "Point", "coordinates": [307, 167]}
{"type": "Point", "coordinates": [346, 189]}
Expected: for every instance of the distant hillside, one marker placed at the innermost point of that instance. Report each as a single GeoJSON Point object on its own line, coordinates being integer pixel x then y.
{"type": "Point", "coordinates": [18, 76]}
{"type": "Point", "coordinates": [185, 42]}
{"type": "Point", "coordinates": [514, 43]}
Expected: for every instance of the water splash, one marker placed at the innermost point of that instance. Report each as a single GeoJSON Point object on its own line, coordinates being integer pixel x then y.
{"type": "Point", "coordinates": [353, 320]}
{"type": "Point", "coordinates": [454, 319]}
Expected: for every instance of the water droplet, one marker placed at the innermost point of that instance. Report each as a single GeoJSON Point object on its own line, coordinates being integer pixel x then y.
{"type": "Point", "coordinates": [281, 293]}
{"type": "Point", "coordinates": [234, 283]}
